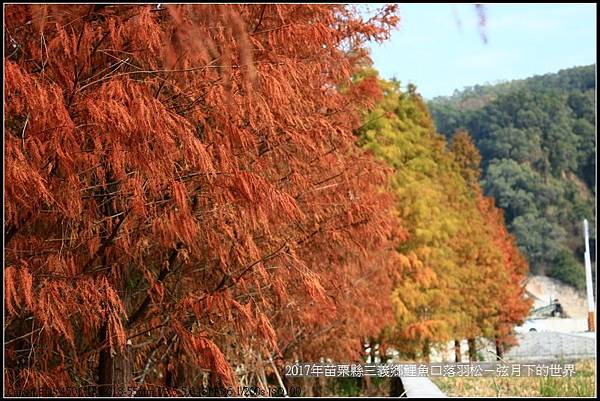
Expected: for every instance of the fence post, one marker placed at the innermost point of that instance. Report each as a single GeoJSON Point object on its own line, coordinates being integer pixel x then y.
{"type": "Point", "coordinates": [588, 277]}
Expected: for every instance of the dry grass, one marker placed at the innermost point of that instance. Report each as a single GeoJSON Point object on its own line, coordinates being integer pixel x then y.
{"type": "Point", "coordinates": [582, 384]}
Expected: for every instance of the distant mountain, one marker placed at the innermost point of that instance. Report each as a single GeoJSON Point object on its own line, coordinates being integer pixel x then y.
{"type": "Point", "coordinates": [474, 97]}
{"type": "Point", "coordinates": [537, 140]}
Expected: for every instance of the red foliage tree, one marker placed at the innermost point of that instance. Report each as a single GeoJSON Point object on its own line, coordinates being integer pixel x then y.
{"type": "Point", "coordinates": [184, 193]}
{"type": "Point", "coordinates": [506, 278]}
{"type": "Point", "coordinates": [515, 306]}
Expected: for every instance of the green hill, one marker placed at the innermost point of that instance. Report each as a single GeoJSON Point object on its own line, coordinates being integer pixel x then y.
{"type": "Point", "coordinates": [537, 140]}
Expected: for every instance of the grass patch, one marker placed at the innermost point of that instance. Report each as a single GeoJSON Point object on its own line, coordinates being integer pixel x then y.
{"type": "Point", "coordinates": [581, 384]}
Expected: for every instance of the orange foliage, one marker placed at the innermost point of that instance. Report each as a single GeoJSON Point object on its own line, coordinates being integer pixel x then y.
{"type": "Point", "coordinates": [514, 306]}
{"type": "Point", "coordinates": [185, 180]}
{"type": "Point", "coordinates": [506, 279]}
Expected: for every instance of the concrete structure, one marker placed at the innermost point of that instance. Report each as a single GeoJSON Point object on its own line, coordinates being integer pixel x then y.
{"type": "Point", "coordinates": [544, 290]}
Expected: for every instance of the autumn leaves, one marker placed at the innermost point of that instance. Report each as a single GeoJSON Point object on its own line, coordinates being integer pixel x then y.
{"type": "Point", "coordinates": [213, 211]}
{"type": "Point", "coordinates": [462, 273]}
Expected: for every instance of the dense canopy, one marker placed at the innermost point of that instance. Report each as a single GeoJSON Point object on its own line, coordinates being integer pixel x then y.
{"type": "Point", "coordinates": [198, 194]}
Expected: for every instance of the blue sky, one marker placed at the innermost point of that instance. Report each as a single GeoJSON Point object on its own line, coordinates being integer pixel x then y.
{"type": "Point", "coordinates": [438, 47]}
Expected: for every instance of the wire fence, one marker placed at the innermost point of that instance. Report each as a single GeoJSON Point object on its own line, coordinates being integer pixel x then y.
{"type": "Point", "coordinates": [552, 346]}
{"type": "Point", "coordinates": [541, 346]}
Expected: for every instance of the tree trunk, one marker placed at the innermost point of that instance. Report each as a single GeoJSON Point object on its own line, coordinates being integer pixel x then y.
{"type": "Point", "coordinates": [426, 351]}
{"type": "Point", "coordinates": [383, 357]}
{"type": "Point", "coordinates": [472, 350]}
{"type": "Point", "coordinates": [499, 350]}
{"type": "Point", "coordinates": [317, 387]}
{"type": "Point", "coordinates": [367, 385]}
{"type": "Point", "coordinates": [114, 371]}
{"type": "Point", "coordinates": [372, 350]}
{"type": "Point", "coordinates": [457, 353]}
{"type": "Point", "coordinates": [396, 387]}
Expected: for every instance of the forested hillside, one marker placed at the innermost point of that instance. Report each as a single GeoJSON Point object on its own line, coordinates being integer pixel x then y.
{"type": "Point", "coordinates": [537, 140]}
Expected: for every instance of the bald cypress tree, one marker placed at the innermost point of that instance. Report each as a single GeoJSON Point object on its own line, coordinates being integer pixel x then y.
{"type": "Point", "coordinates": [184, 191]}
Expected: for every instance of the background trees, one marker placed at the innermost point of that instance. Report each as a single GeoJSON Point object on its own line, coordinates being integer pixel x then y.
{"type": "Point", "coordinates": [537, 144]}
{"type": "Point", "coordinates": [507, 275]}
{"type": "Point", "coordinates": [460, 273]}
{"type": "Point", "coordinates": [186, 203]}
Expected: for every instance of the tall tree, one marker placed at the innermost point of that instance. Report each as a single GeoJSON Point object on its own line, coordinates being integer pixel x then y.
{"type": "Point", "coordinates": [430, 194]}
{"type": "Point", "coordinates": [506, 276]}
{"type": "Point", "coordinates": [454, 271]}
{"type": "Point", "coordinates": [183, 189]}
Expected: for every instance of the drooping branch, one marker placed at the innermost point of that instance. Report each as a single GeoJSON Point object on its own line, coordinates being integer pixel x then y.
{"type": "Point", "coordinates": [106, 242]}
{"type": "Point", "coordinates": [164, 271]}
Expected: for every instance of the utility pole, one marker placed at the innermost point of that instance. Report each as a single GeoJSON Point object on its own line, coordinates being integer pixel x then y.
{"type": "Point", "coordinates": [588, 277]}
